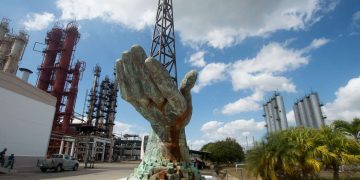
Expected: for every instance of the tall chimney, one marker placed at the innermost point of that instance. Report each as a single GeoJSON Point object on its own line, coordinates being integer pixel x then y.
{"type": "Point", "coordinates": [25, 74]}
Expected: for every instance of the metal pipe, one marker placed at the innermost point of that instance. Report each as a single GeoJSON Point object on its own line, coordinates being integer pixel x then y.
{"type": "Point", "coordinates": [16, 52]}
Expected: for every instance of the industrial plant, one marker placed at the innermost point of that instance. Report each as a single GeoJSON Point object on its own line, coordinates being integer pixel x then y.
{"type": "Point", "coordinates": [58, 78]}
{"type": "Point", "coordinates": [12, 47]}
{"type": "Point", "coordinates": [29, 111]}
{"type": "Point", "coordinates": [51, 125]}
{"type": "Point", "coordinates": [275, 114]}
{"type": "Point", "coordinates": [308, 112]}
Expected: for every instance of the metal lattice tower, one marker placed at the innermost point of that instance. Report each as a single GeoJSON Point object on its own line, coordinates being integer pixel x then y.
{"type": "Point", "coordinates": [163, 42]}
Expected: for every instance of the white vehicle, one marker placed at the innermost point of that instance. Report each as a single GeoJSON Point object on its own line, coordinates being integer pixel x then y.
{"type": "Point", "coordinates": [58, 162]}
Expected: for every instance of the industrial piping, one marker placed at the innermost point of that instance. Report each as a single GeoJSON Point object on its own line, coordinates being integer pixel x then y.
{"type": "Point", "coordinates": [71, 99]}
{"type": "Point", "coordinates": [61, 72]}
{"type": "Point", "coordinates": [93, 92]}
{"type": "Point", "coordinates": [54, 42]}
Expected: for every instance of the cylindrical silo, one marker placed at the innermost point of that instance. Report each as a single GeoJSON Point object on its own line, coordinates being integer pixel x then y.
{"type": "Point", "coordinates": [318, 116]}
{"type": "Point", "coordinates": [16, 52]}
{"type": "Point", "coordinates": [297, 115]}
{"type": "Point", "coordinates": [309, 113]}
{"type": "Point", "coordinates": [275, 114]}
{"type": "Point", "coordinates": [302, 113]}
{"type": "Point", "coordinates": [282, 112]}
{"type": "Point", "coordinates": [271, 116]}
{"type": "Point", "coordinates": [266, 116]}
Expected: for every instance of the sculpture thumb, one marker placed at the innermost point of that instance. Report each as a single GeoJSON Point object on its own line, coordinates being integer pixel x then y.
{"type": "Point", "coordinates": [187, 84]}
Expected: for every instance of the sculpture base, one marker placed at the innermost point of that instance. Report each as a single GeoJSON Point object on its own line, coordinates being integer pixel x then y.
{"type": "Point", "coordinates": [156, 166]}
{"type": "Point", "coordinates": [165, 170]}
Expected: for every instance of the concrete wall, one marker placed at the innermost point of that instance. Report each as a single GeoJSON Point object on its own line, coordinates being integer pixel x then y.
{"type": "Point", "coordinates": [26, 115]}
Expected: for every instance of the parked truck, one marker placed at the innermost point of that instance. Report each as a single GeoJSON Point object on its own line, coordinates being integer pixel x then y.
{"type": "Point", "coordinates": [58, 162]}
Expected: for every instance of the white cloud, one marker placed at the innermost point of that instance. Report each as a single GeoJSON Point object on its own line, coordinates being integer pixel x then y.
{"type": "Point", "coordinates": [197, 144]}
{"type": "Point", "coordinates": [211, 125]}
{"type": "Point", "coordinates": [262, 72]}
{"type": "Point", "coordinates": [346, 106]}
{"type": "Point", "coordinates": [211, 73]}
{"type": "Point", "coordinates": [356, 18]}
{"type": "Point", "coordinates": [237, 129]}
{"type": "Point", "coordinates": [216, 23]}
{"type": "Point", "coordinates": [316, 43]}
{"type": "Point", "coordinates": [197, 59]}
{"type": "Point", "coordinates": [224, 23]}
{"type": "Point", "coordinates": [134, 14]}
{"type": "Point", "coordinates": [123, 128]}
{"type": "Point", "coordinates": [291, 118]}
{"type": "Point", "coordinates": [249, 103]}
{"type": "Point", "coordinates": [35, 21]}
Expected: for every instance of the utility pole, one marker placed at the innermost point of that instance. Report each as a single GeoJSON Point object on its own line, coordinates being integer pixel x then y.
{"type": "Point", "coordinates": [163, 41]}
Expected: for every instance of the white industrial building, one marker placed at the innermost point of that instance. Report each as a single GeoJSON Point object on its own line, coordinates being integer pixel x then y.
{"type": "Point", "coordinates": [26, 115]}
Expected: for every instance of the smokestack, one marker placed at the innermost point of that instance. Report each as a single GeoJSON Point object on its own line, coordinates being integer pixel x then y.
{"type": "Point", "coordinates": [25, 74]}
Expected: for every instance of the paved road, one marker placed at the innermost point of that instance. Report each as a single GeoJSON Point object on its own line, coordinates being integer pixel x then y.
{"type": "Point", "coordinates": [110, 171]}
{"type": "Point", "coordinates": [102, 171]}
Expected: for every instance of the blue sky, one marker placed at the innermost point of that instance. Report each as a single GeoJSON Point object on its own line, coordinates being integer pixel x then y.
{"type": "Point", "coordinates": [243, 50]}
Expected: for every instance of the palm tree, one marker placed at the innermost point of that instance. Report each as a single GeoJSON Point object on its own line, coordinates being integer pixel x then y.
{"type": "Point", "coordinates": [336, 149]}
{"type": "Point", "coordinates": [352, 127]}
{"type": "Point", "coordinates": [300, 152]}
{"type": "Point", "coordinates": [287, 154]}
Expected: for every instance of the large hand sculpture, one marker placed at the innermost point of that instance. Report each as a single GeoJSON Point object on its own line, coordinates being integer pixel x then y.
{"type": "Point", "coordinates": [146, 84]}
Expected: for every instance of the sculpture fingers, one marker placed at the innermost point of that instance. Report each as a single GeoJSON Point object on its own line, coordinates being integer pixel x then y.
{"type": "Point", "coordinates": [187, 84]}
{"type": "Point", "coordinates": [174, 103]}
{"type": "Point", "coordinates": [136, 85]}
{"type": "Point", "coordinates": [122, 81]}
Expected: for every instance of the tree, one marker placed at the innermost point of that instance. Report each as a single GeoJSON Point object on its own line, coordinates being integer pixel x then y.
{"type": "Point", "coordinates": [337, 149]}
{"type": "Point", "coordinates": [351, 127]}
{"type": "Point", "coordinates": [225, 151]}
{"type": "Point", "coordinates": [285, 155]}
{"type": "Point", "coordinates": [299, 153]}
